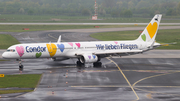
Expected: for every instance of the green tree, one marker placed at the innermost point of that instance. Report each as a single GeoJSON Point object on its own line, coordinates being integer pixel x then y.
{"type": "Point", "coordinates": [108, 3]}
{"type": "Point", "coordinates": [86, 12]}
{"type": "Point", "coordinates": [169, 12]}
{"type": "Point", "coordinates": [30, 12]}
{"type": "Point", "coordinates": [21, 10]}
{"type": "Point", "coordinates": [86, 7]}
{"type": "Point", "coordinates": [178, 8]}
{"type": "Point", "coordinates": [130, 5]}
{"type": "Point", "coordinates": [119, 4]}
{"type": "Point", "coordinates": [115, 14]}
{"type": "Point", "coordinates": [126, 13]}
{"type": "Point", "coordinates": [142, 4]}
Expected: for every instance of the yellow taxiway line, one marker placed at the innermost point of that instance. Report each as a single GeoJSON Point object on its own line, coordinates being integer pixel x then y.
{"type": "Point", "coordinates": [53, 36]}
{"type": "Point", "coordinates": [125, 78]}
{"type": "Point", "coordinates": [104, 86]}
{"type": "Point", "coordinates": [151, 77]}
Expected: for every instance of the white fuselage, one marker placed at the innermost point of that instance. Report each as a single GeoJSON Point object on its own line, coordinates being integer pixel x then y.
{"type": "Point", "coordinates": [68, 49]}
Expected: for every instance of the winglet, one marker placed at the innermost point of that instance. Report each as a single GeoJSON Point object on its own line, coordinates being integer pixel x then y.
{"type": "Point", "coordinates": [59, 40]}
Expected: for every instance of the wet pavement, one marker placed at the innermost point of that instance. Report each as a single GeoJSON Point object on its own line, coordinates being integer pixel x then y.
{"type": "Point", "coordinates": [151, 79]}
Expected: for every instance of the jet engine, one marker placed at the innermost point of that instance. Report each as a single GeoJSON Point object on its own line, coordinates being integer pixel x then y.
{"type": "Point", "coordinates": [88, 58]}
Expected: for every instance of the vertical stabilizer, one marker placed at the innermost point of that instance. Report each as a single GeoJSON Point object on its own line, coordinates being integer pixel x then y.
{"type": "Point", "coordinates": [150, 32]}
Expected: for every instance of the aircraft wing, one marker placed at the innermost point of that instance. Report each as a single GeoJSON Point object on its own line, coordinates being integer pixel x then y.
{"type": "Point", "coordinates": [107, 53]}
{"type": "Point", "coordinates": [117, 52]}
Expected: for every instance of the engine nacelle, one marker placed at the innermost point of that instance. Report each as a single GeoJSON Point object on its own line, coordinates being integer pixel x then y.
{"type": "Point", "coordinates": [88, 58]}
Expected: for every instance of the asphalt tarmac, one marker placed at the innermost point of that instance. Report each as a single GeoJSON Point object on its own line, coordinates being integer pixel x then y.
{"type": "Point", "coordinates": [150, 76]}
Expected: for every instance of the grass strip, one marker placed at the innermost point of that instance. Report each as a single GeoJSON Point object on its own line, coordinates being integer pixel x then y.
{"type": "Point", "coordinates": [4, 18]}
{"type": "Point", "coordinates": [4, 60]}
{"type": "Point", "coordinates": [20, 81]}
{"type": "Point", "coordinates": [14, 91]}
{"type": "Point", "coordinates": [7, 40]}
{"type": "Point", "coordinates": [19, 28]}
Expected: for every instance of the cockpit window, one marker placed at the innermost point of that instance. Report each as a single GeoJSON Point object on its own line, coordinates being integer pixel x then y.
{"type": "Point", "coordinates": [10, 50]}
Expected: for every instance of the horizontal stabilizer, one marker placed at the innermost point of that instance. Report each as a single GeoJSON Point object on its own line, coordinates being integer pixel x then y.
{"type": "Point", "coordinates": [167, 44]}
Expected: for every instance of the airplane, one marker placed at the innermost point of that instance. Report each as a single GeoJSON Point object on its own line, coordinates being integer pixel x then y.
{"type": "Point", "coordinates": [86, 52]}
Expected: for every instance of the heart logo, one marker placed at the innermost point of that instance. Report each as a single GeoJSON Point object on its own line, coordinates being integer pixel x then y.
{"type": "Point", "coordinates": [143, 37]}
{"type": "Point", "coordinates": [38, 55]}
{"type": "Point", "coordinates": [152, 29]}
{"type": "Point", "coordinates": [94, 56]}
{"type": "Point", "coordinates": [52, 49]}
{"type": "Point", "coordinates": [61, 47]}
{"type": "Point", "coordinates": [89, 57]}
{"type": "Point", "coordinates": [20, 50]}
{"type": "Point", "coordinates": [115, 42]}
{"type": "Point", "coordinates": [70, 43]}
{"type": "Point", "coordinates": [78, 44]}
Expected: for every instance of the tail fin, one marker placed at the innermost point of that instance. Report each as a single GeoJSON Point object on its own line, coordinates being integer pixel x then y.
{"type": "Point", "coordinates": [150, 32]}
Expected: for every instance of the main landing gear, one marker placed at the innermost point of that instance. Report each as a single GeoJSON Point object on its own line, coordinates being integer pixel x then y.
{"type": "Point", "coordinates": [97, 64]}
{"type": "Point", "coordinates": [20, 65]}
{"type": "Point", "coordinates": [79, 64]}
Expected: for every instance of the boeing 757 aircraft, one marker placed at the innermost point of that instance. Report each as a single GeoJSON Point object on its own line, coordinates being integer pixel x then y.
{"type": "Point", "coordinates": [86, 52]}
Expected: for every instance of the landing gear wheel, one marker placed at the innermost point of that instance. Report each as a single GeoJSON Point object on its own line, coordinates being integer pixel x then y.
{"type": "Point", "coordinates": [20, 65]}
{"type": "Point", "coordinates": [97, 64]}
{"type": "Point", "coordinates": [79, 64]}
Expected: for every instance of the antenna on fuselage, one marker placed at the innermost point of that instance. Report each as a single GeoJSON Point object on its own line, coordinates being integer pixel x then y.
{"type": "Point", "coordinates": [59, 40]}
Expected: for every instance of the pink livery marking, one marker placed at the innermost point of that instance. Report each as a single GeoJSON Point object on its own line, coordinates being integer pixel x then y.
{"type": "Point", "coordinates": [115, 42]}
{"type": "Point", "coordinates": [20, 50]}
{"type": "Point", "coordinates": [70, 43]}
{"type": "Point", "coordinates": [89, 57]}
{"type": "Point", "coordinates": [78, 44]}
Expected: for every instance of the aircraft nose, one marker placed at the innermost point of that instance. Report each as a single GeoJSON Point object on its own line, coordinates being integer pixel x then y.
{"type": "Point", "coordinates": [4, 55]}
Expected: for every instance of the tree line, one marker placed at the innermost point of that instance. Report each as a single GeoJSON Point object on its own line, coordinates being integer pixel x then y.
{"type": "Point", "coordinates": [106, 8]}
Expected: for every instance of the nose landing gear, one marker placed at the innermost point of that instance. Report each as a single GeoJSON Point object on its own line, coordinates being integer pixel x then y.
{"type": "Point", "coordinates": [20, 65]}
